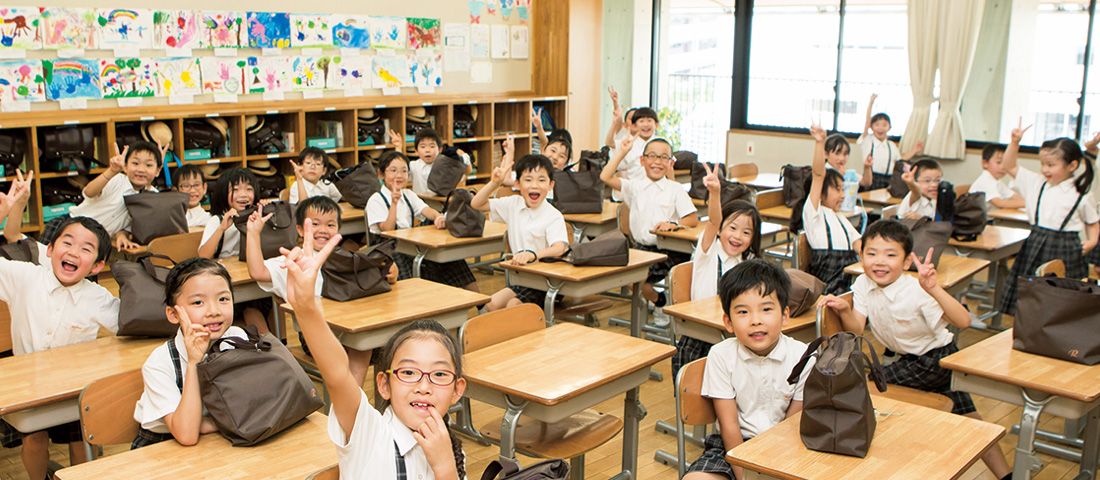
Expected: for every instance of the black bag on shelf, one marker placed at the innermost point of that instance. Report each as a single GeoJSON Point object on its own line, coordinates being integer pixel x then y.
{"type": "Point", "coordinates": [463, 122]}
{"type": "Point", "coordinates": [66, 147]}
{"type": "Point", "coordinates": [265, 137]}
{"type": "Point", "coordinates": [414, 126]}
{"type": "Point", "coordinates": [270, 186]}
{"type": "Point", "coordinates": [199, 134]}
{"type": "Point", "coordinates": [127, 134]}
{"type": "Point", "coordinates": [372, 131]}
{"type": "Point", "coordinates": [13, 147]}
{"type": "Point", "coordinates": [58, 192]}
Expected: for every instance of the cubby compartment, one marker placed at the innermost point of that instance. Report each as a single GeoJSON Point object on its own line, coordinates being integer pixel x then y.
{"type": "Point", "coordinates": [272, 135]}
{"type": "Point", "coordinates": [426, 116]}
{"type": "Point", "coordinates": [72, 149]}
{"type": "Point", "coordinates": [480, 114]}
{"type": "Point", "coordinates": [374, 124]}
{"type": "Point", "coordinates": [210, 137]}
{"type": "Point", "coordinates": [15, 152]}
{"type": "Point", "coordinates": [331, 129]}
{"type": "Point", "coordinates": [555, 110]}
{"type": "Point", "coordinates": [512, 117]}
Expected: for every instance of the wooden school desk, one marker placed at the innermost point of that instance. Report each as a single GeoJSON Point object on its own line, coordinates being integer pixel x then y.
{"type": "Point", "coordinates": [433, 244]}
{"type": "Point", "coordinates": [685, 239]}
{"type": "Point", "coordinates": [562, 370]}
{"type": "Point", "coordinates": [367, 323]}
{"type": "Point", "coordinates": [760, 181]}
{"type": "Point", "coordinates": [352, 220]}
{"type": "Point", "coordinates": [143, 249]}
{"type": "Point", "coordinates": [40, 390]}
{"type": "Point", "coordinates": [953, 273]}
{"type": "Point", "coordinates": [296, 452]}
{"type": "Point", "coordinates": [875, 200]}
{"type": "Point", "coordinates": [434, 201]}
{"type": "Point", "coordinates": [781, 214]}
{"type": "Point", "coordinates": [593, 224]}
{"type": "Point", "coordinates": [565, 279]}
{"type": "Point", "coordinates": [919, 443]}
{"type": "Point", "coordinates": [682, 176]}
{"type": "Point", "coordinates": [991, 368]}
{"type": "Point", "coordinates": [1010, 217]}
{"type": "Point", "coordinates": [996, 244]}
{"type": "Point", "coordinates": [702, 320]}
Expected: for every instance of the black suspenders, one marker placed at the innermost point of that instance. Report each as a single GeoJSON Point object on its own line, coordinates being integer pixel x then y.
{"type": "Point", "coordinates": [1065, 221]}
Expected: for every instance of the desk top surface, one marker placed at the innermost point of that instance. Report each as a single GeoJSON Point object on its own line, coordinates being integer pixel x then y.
{"type": "Point", "coordinates": [431, 237]}
{"type": "Point", "coordinates": [708, 311]}
{"type": "Point", "coordinates": [879, 196]}
{"type": "Point", "coordinates": [760, 180]}
{"type": "Point", "coordinates": [693, 233]}
{"type": "Point", "coordinates": [555, 364]}
{"type": "Point", "coordinates": [951, 270]}
{"type": "Point", "coordinates": [610, 211]}
{"type": "Point", "coordinates": [348, 212]}
{"type": "Point", "coordinates": [1014, 214]}
{"type": "Point", "coordinates": [566, 271]}
{"type": "Point", "coordinates": [994, 237]}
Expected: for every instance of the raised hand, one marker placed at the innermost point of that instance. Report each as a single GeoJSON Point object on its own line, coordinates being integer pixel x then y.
{"type": "Point", "coordinates": [711, 181]}
{"type": "Point", "coordinates": [1018, 132]}
{"type": "Point", "coordinates": [396, 139]}
{"type": "Point", "coordinates": [509, 145]}
{"type": "Point", "coordinates": [907, 175]}
{"type": "Point", "coordinates": [874, 96]}
{"type": "Point", "coordinates": [163, 150]}
{"type": "Point", "coordinates": [196, 338]}
{"type": "Point", "coordinates": [818, 133]}
{"type": "Point", "coordinates": [302, 265]}
{"type": "Point", "coordinates": [614, 95]}
{"type": "Point", "coordinates": [926, 272]}
{"type": "Point", "coordinates": [628, 142]}
{"type": "Point", "coordinates": [297, 168]}
{"type": "Point", "coordinates": [536, 120]}
{"type": "Point", "coordinates": [1091, 145]}
{"type": "Point", "coordinates": [256, 222]}
{"type": "Point", "coordinates": [118, 159]}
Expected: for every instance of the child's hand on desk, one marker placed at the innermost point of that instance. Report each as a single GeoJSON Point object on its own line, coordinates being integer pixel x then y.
{"type": "Point", "coordinates": [302, 265]}
{"type": "Point", "coordinates": [834, 302]}
{"type": "Point", "coordinates": [256, 222]}
{"type": "Point", "coordinates": [926, 272]}
{"type": "Point", "coordinates": [665, 227]}
{"type": "Point", "coordinates": [391, 277]}
{"type": "Point", "coordinates": [207, 426]}
{"type": "Point", "coordinates": [196, 338]}
{"type": "Point", "coordinates": [523, 258]}
{"type": "Point", "coordinates": [118, 160]}
{"type": "Point", "coordinates": [441, 221]}
{"type": "Point", "coordinates": [124, 244]}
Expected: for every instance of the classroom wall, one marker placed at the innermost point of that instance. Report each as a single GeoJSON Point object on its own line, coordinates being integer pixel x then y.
{"type": "Point", "coordinates": [585, 72]}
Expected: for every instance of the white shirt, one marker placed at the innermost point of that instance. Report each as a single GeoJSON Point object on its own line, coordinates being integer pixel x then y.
{"type": "Point", "coordinates": [419, 171]}
{"type": "Point", "coordinates": [528, 228]}
{"type": "Point", "coordinates": [321, 188]}
{"type": "Point", "coordinates": [161, 395]}
{"type": "Point", "coordinates": [924, 207]}
{"type": "Point", "coordinates": [885, 153]}
{"type": "Point", "coordinates": [109, 209]}
{"type": "Point", "coordinates": [757, 384]}
{"type": "Point", "coordinates": [378, 209]}
{"type": "Point", "coordinates": [705, 266]}
{"type": "Point", "coordinates": [814, 220]}
{"type": "Point", "coordinates": [1057, 201]}
{"type": "Point", "coordinates": [903, 317]}
{"type": "Point", "coordinates": [368, 453]}
{"type": "Point", "coordinates": [651, 203]}
{"type": "Point", "coordinates": [231, 239]}
{"type": "Point", "coordinates": [992, 188]}
{"type": "Point", "coordinates": [277, 285]}
{"type": "Point", "coordinates": [197, 217]}
{"type": "Point", "coordinates": [632, 164]}
{"type": "Point", "coordinates": [46, 314]}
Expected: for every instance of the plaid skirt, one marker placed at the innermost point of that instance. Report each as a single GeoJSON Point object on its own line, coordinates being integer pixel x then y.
{"type": "Point", "coordinates": [455, 274]}
{"type": "Point", "coordinates": [828, 266]}
{"type": "Point", "coordinates": [659, 271]}
{"type": "Point", "coordinates": [1093, 257]}
{"type": "Point", "coordinates": [713, 459]}
{"type": "Point", "coordinates": [923, 372]}
{"type": "Point", "coordinates": [1043, 245]}
{"type": "Point", "coordinates": [59, 434]}
{"type": "Point", "coordinates": [688, 350]}
{"type": "Point", "coordinates": [145, 438]}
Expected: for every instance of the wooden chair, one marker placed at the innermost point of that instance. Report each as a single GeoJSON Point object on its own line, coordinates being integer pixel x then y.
{"type": "Point", "coordinates": [570, 438]}
{"type": "Point", "coordinates": [284, 194]}
{"type": "Point", "coordinates": [622, 216]}
{"type": "Point", "coordinates": [769, 198]}
{"type": "Point", "coordinates": [5, 328]}
{"type": "Point", "coordinates": [679, 283]}
{"type": "Point", "coordinates": [802, 253]}
{"type": "Point", "coordinates": [1056, 268]}
{"type": "Point", "coordinates": [890, 212]}
{"type": "Point", "coordinates": [692, 408]}
{"type": "Point", "coordinates": [742, 170]}
{"type": "Point", "coordinates": [107, 410]}
{"type": "Point", "coordinates": [178, 247]}
{"type": "Point", "coordinates": [961, 190]}
{"type": "Point", "coordinates": [330, 473]}
{"type": "Point", "coordinates": [504, 191]}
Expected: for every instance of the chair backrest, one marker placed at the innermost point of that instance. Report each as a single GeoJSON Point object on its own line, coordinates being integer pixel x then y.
{"type": "Point", "coordinates": [679, 286]}
{"type": "Point", "coordinates": [695, 409]}
{"type": "Point", "coordinates": [769, 198]}
{"type": "Point", "coordinates": [5, 328]}
{"type": "Point", "coordinates": [1053, 267]}
{"type": "Point", "coordinates": [961, 190]}
{"type": "Point", "coordinates": [742, 170]}
{"type": "Point", "coordinates": [330, 473]}
{"type": "Point", "coordinates": [828, 322]}
{"type": "Point", "coordinates": [890, 212]}
{"type": "Point", "coordinates": [504, 191]}
{"type": "Point", "coordinates": [623, 217]}
{"type": "Point", "coordinates": [499, 326]}
{"type": "Point", "coordinates": [178, 247]}
{"type": "Point", "coordinates": [284, 194]}
{"type": "Point", "coordinates": [802, 252]}
{"type": "Point", "coordinates": [107, 408]}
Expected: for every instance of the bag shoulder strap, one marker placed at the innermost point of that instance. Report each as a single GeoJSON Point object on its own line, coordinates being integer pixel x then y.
{"type": "Point", "coordinates": [811, 349]}
{"type": "Point", "coordinates": [496, 467]}
{"type": "Point", "coordinates": [174, 354]}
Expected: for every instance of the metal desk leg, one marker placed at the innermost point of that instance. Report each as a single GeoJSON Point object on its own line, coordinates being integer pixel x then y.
{"type": "Point", "coordinates": [1027, 462]}
{"type": "Point", "coordinates": [418, 260]}
{"type": "Point", "coordinates": [633, 413]}
{"type": "Point", "coordinates": [1000, 274]}
{"type": "Point", "coordinates": [464, 422]}
{"type": "Point", "coordinates": [548, 303]}
{"type": "Point", "coordinates": [508, 429]}
{"type": "Point", "coordinates": [637, 311]}
{"type": "Point", "coordinates": [578, 232]}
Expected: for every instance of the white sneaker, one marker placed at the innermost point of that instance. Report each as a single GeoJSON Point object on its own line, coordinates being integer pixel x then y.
{"type": "Point", "coordinates": [660, 319]}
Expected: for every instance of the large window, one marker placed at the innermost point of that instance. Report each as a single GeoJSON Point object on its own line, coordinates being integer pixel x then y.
{"type": "Point", "coordinates": [1061, 31]}
{"type": "Point", "coordinates": [875, 60]}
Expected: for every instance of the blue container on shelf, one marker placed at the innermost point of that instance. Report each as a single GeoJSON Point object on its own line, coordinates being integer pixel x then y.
{"type": "Point", "coordinates": [322, 142]}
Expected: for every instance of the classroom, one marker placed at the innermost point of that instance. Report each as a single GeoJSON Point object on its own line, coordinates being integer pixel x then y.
{"type": "Point", "coordinates": [628, 229]}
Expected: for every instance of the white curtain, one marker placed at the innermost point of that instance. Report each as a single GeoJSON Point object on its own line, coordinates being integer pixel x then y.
{"type": "Point", "coordinates": [923, 18]}
{"type": "Point", "coordinates": [959, 24]}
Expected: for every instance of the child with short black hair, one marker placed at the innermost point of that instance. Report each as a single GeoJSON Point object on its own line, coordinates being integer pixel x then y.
{"type": "Point", "coordinates": [309, 171]}
{"type": "Point", "coordinates": [645, 124]}
{"type": "Point", "coordinates": [991, 182]}
{"type": "Point", "coordinates": [188, 179]}
{"type": "Point", "coordinates": [837, 151]}
{"type": "Point", "coordinates": [923, 180]}
{"type": "Point", "coordinates": [909, 315]}
{"type": "Point", "coordinates": [877, 145]}
{"type": "Point", "coordinates": [428, 144]}
{"type": "Point", "coordinates": [746, 376]}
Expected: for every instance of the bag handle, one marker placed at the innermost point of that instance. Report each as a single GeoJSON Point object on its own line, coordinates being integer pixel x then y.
{"type": "Point", "coordinates": [494, 469]}
{"type": "Point", "coordinates": [274, 218]}
{"type": "Point", "coordinates": [877, 375]}
{"type": "Point", "coordinates": [811, 350]}
{"type": "Point", "coordinates": [146, 262]}
{"type": "Point", "coordinates": [25, 244]}
{"type": "Point", "coordinates": [447, 202]}
{"type": "Point", "coordinates": [254, 343]}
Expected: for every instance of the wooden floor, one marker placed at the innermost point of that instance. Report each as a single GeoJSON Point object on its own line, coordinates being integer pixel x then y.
{"type": "Point", "coordinates": [657, 397]}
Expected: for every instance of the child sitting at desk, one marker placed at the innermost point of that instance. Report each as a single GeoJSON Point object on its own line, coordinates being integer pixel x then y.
{"type": "Point", "coordinates": [923, 179]}
{"type": "Point", "coordinates": [421, 380]}
{"type": "Point", "coordinates": [188, 179]}
{"type": "Point", "coordinates": [909, 316]}
{"type": "Point", "coordinates": [535, 228]}
{"type": "Point", "coordinates": [991, 182]}
{"type": "Point", "coordinates": [384, 213]}
{"type": "Point", "coordinates": [53, 305]}
{"type": "Point", "coordinates": [13, 226]}
{"type": "Point", "coordinates": [657, 204]}
{"type": "Point", "coordinates": [200, 299]}
{"type": "Point", "coordinates": [746, 376]}
{"type": "Point", "coordinates": [308, 170]}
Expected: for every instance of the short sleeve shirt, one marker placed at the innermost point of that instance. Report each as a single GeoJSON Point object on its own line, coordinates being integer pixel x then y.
{"type": "Point", "coordinates": [814, 221]}
{"type": "Point", "coordinates": [231, 239]}
{"type": "Point", "coordinates": [992, 188]}
{"type": "Point", "coordinates": [1057, 202]}
{"type": "Point", "coordinates": [277, 285]}
{"type": "Point", "coordinates": [528, 228]}
{"type": "Point", "coordinates": [651, 203]}
{"type": "Point", "coordinates": [903, 317]}
{"type": "Point", "coordinates": [707, 268]}
{"type": "Point", "coordinates": [885, 153]}
{"type": "Point", "coordinates": [378, 209]}
{"type": "Point", "coordinates": [321, 188]}
{"type": "Point", "coordinates": [924, 207]}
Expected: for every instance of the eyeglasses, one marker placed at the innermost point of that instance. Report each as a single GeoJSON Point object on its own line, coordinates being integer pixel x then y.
{"type": "Point", "coordinates": [653, 156]}
{"type": "Point", "coordinates": [309, 163]}
{"type": "Point", "coordinates": [931, 181]}
{"type": "Point", "coordinates": [413, 375]}
{"type": "Point", "coordinates": [190, 186]}
{"type": "Point", "coordinates": [396, 170]}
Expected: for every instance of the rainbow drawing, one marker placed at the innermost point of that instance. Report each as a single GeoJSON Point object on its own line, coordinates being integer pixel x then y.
{"type": "Point", "coordinates": [127, 77]}
{"type": "Point", "coordinates": [72, 78]}
{"type": "Point", "coordinates": [120, 28]}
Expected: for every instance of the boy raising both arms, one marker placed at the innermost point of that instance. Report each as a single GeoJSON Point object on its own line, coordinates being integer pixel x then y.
{"type": "Point", "coordinates": [880, 148]}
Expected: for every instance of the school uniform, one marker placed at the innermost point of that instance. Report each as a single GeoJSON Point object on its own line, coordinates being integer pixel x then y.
{"type": "Point", "coordinates": [924, 207]}
{"type": "Point", "coordinates": [884, 153]}
{"type": "Point", "coordinates": [278, 285]}
{"type": "Point", "coordinates": [379, 446]}
{"type": "Point", "coordinates": [163, 374]}
{"type": "Point", "coordinates": [830, 237]}
{"type": "Point", "coordinates": [419, 171]}
{"type": "Point", "coordinates": [631, 164]}
{"type": "Point", "coordinates": [907, 320]}
{"type": "Point", "coordinates": [46, 314]}
{"type": "Point", "coordinates": [321, 188]}
{"type": "Point", "coordinates": [651, 203]}
{"type": "Point", "coordinates": [706, 270]}
{"type": "Point", "coordinates": [109, 209]}
{"type": "Point", "coordinates": [992, 188]}
{"type": "Point", "coordinates": [759, 387]}
{"type": "Point", "coordinates": [230, 243]}
{"type": "Point", "coordinates": [1057, 214]}
{"type": "Point", "coordinates": [410, 210]}
{"type": "Point", "coordinates": [197, 217]}
{"type": "Point", "coordinates": [531, 229]}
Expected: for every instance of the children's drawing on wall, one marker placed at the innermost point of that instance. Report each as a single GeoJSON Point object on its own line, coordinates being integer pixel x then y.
{"type": "Point", "coordinates": [68, 28]}
{"type": "Point", "coordinates": [71, 78]}
{"type": "Point", "coordinates": [479, 41]}
{"type": "Point", "coordinates": [310, 30]}
{"type": "Point", "coordinates": [308, 73]}
{"type": "Point", "coordinates": [390, 72]}
{"type": "Point", "coordinates": [349, 72]}
{"type": "Point", "coordinates": [388, 32]}
{"type": "Point", "coordinates": [423, 32]}
{"type": "Point", "coordinates": [351, 31]}
{"type": "Point", "coordinates": [521, 41]}
{"type": "Point", "coordinates": [179, 76]}
{"type": "Point", "coordinates": [22, 80]}
{"type": "Point", "coordinates": [426, 70]}
{"type": "Point", "coordinates": [523, 10]}
{"type": "Point", "coordinates": [179, 28]}
{"type": "Point", "coordinates": [19, 28]}
{"type": "Point", "coordinates": [267, 74]}
{"type": "Point", "coordinates": [127, 77]}
{"type": "Point", "coordinates": [268, 30]}
{"type": "Point", "coordinates": [475, 7]}
{"type": "Point", "coordinates": [491, 7]}
{"type": "Point", "coordinates": [125, 28]}
{"type": "Point", "coordinates": [506, 7]}
{"type": "Point", "coordinates": [225, 29]}
{"type": "Point", "coordinates": [223, 75]}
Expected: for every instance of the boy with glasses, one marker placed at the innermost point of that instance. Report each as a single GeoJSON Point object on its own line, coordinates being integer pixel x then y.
{"type": "Point", "coordinates": [924, 179]}
{"type": "Point", "coordinates": [188, 179]}
{"type": "Point", "coordinates": [308, 171]}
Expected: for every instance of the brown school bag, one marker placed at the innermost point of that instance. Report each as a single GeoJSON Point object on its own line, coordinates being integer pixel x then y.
{"type": "Point", "coordinates": [154, 215]}
{"type": "Point", "coordinates": [279, 231]}
{"type": "Point", "coordinates": [805, 290]}
{"type": "Point", "coordinates": [350, 275]}
{"type": "Point", "coordinates": [141, 298]}
{"type": "Point", "coordinates": [447, 171]}
{"type": "Point", "coordinates": [462, 219]}
{"type": "Point", "coordinates": [1057, 318]}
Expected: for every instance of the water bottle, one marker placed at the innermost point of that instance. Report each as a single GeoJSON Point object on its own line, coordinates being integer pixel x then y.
{"type": "Point", "coordinates": [851, 191]}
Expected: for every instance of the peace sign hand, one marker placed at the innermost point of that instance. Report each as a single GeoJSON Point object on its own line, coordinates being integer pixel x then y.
{"type": "Point", "coordinates": [628, 142]}
{"type": "Point", "coordinates": [196, 338]}
{"type": "Point", "coordinates": [118, 160]}
{"type": "Point", "coordinates": [926, 272]}
{"type": "Point", "coordinates": [302, 265]}
{"type": "Point", "coordinates": [1018, 132]}
{"type": "Point", "coordinates": [711, 181]}
{"type": "Point", "coordinates": [818, 133]}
